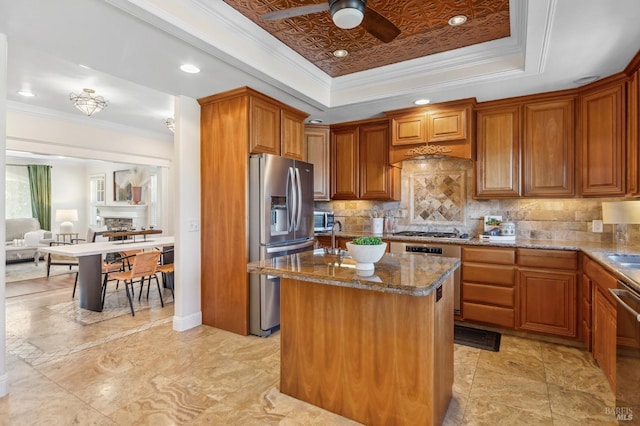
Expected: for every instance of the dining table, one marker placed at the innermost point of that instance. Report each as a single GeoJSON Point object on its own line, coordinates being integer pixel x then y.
{"type": "Point", "coordinates": [90, 258]}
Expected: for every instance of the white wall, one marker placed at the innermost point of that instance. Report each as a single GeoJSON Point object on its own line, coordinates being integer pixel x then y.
{"type": "Point", "coordinates": [43, 134]}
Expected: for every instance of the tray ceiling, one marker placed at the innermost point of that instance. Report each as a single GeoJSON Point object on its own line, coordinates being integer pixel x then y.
{"type": "Point", "coordinates": [424, 30]}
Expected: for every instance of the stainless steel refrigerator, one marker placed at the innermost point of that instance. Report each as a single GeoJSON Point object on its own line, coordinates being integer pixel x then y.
{"type": "Point", "coordinates": [280, 223]}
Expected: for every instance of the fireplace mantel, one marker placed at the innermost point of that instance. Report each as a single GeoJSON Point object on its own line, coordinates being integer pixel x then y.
{"type": "Point", "coordinates": [136, 212]}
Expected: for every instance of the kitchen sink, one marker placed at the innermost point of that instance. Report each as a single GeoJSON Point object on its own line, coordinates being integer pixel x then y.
{"type": "Point", "coordinates": [626, 260]}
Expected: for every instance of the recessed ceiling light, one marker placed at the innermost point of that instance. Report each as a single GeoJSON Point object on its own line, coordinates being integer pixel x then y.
{"type": "Point", "coordinates": [191, 69]}
{"type": "Point", "coordinates": [26, 93]}
{"type": "Point", "coordinates": [421, 102]}
{"type": "Point", "coordinates": [340, 53]}
{"type": "Point", "coordinates": [586, 80]}
{"type": "Point", "coordinates": [315, 121]}
{"type": "Point", "coordinates": [457, 20]}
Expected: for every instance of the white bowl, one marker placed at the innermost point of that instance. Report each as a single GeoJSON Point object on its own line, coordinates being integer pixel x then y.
{"type": "Point", "coordinates": [365, 256]}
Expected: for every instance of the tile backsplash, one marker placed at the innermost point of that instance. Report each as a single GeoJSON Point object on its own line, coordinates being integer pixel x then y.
{"type": "Point", "coordinates": [437, 194]}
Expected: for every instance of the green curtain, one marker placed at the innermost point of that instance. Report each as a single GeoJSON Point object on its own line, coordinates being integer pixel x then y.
{"type": "Point", "coordinates": [40, 185]}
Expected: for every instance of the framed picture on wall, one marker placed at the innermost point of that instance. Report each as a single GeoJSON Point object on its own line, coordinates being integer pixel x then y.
{"type": "Point", "coordinates": [120, 193]}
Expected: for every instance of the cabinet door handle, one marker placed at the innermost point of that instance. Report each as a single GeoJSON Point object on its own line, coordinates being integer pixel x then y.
{"type": "Point", "coordinates": [617, 292]}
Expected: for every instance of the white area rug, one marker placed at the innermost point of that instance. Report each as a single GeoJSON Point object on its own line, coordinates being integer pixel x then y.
{"type": "Point", "coordinates": [28, 271]}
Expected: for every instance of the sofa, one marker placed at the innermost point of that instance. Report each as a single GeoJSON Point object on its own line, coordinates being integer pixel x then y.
{"type": "Point", "coordinates": [23, 239]}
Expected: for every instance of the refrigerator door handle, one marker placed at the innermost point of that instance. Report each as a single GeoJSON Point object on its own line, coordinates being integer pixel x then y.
{"type": "Point", "coordinates": [278, 249]}
{"type": "Point", "coordinates": [291, 200]}
{"type": "Point", "coordinates": [299, 199]}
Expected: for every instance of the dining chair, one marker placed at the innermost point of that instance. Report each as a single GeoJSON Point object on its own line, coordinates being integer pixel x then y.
{"type": "Point", "coordinates": [143, 266]}
{"type": "Point", "coordinates": [165, 269]}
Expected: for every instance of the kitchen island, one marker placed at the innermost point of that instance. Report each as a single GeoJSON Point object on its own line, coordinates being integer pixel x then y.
{"type": "Point", "coordinates": [377, 349]}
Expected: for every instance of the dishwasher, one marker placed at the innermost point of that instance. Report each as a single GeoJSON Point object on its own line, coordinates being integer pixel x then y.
{"type": "Point", "coordinates": [430, 249]}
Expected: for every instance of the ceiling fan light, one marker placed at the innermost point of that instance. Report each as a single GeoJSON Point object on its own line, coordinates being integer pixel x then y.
{"type": "Point", "coordinates": [347, 14]}
{"type": "Point", "coordinates": [347, 18]}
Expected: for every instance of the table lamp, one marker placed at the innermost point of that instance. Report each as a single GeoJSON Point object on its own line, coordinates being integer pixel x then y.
{"type": "Point", "coordinates": [66, 216]}
{"type": "Point", "coordinates": [621, 214]}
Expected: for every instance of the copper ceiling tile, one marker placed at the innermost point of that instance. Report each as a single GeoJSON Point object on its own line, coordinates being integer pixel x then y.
{"type": "Point", "coordinates": [423, 24]}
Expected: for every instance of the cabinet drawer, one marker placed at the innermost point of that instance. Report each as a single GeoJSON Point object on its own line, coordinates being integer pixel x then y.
{"type": "Point", "coordinates": [491, 274]}
{"type": "Point", "coordinates": [492, 295]}
{"type": "Point", "coordinates": [485, 255]}
{"type": "Point", "coordinates": [489, 314]}
{"type": "Point", "coordinates": [548, 259]}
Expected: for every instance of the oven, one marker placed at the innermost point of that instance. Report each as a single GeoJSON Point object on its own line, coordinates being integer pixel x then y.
{"type": "Point", "coordinates": [431, 249]}
{"type": "Point", "coordinates": [627, 408]}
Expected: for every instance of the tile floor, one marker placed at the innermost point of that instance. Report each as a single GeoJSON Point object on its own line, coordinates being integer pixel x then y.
{"type": "Point", "coordinates": [65, 368]}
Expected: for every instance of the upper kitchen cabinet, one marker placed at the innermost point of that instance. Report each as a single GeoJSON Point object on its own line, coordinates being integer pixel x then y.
{"type": "Point", "coordinates": [602, 146]}
{"type": "Point", "coordinates": [316, 140]}
{"type": "Point", "coordinates": [275, 127]}
{"type": "Point", "coordinates": [548, 147]}
{"type": "Point", "coordinates": [633, 133]}
{"type": "Point", "coordinates": [526, 147]}
{"type": "Point", "coordinates": [442, 129]}
{"type": "Point", "coordinates": [360, 167]}
{"type": "Point", "coordinates": [498, 152]}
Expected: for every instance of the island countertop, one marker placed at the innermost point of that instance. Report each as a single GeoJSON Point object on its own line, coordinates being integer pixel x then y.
{"type": "Point", "coordinates": [395, 273]}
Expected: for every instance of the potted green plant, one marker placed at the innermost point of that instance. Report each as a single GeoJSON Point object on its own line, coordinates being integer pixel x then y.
{"type": "Point", "coordinates": [366, 251]}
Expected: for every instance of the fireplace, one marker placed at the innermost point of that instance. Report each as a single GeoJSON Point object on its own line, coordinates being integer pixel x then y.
{"type": "Point", "coordinates": [123, 216]}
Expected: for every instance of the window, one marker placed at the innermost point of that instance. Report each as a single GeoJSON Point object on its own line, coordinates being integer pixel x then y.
{"type": "Point", "coordinates": [97, 189]}
{"type": "Point", "coordinates": [97, 197]}
{"type": "Point", "coordinates": [17, 193]}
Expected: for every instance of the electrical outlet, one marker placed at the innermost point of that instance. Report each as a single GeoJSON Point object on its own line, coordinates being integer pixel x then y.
{"type": "Point", "coordinates": [596, 226]}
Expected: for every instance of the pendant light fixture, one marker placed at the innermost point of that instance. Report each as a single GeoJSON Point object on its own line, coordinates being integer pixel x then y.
{"type": "Point", "coordinates": [87, 102]}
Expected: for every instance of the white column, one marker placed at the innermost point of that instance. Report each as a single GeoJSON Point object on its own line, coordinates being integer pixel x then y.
{"type": "Point", "coordinates": [4, 382]}
{"type": "Point", "coordinates": [185, 197]}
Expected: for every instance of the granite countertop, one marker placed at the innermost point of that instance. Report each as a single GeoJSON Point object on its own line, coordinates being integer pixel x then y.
{"type": "Point", "coordinates": [394, 273]}
{"type": "Point", "coordinates": [598, 251]}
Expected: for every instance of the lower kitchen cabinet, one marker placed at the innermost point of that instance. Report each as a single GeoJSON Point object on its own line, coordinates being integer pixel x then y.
{"type": "Point", "coordinates": [547, 291]}
{"type": "Point", "coordinates": [604, 319]}
{"type": "Point", "coordinates": [604, 334]}
{"type": "Point", "coordinates": [488, 286]}
{"type": "Point", "coordinates": [548, 302]}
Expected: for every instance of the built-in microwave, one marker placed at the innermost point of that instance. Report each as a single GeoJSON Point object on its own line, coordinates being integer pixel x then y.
{"type": "Point", "coordinates": [322, 221]}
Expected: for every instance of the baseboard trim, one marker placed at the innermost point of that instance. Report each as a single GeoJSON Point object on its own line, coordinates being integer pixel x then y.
{"type": "Point", "coordinates": [188, 322]}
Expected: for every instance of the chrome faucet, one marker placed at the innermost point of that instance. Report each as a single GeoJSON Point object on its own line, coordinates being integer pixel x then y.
{"type": "Point", "coordinates": [333, 234]}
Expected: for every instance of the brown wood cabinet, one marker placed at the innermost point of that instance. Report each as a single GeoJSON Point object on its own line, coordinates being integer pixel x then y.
{"type": "Point", "coordinates": [604, 317]}
{"type": "Point", "coordinates": [318, 148]}
{"type": "Point", "coordinates": [547, 291]}
{"type": "Point", "coordinates": [586, 309]}
{"type": "Point", "coordinates": [409, 129]}
{"type": "Point", "coordinates": [444, 125]}
{"type": "Point", "coordinates": [602, 139]}
{"type": "Point", "coordinates": [360, 162]}
{"type": "Point", "coordinates": [275, 128]}
{"type": "Point", "coordinates": [498, 152]}
{"type": "Point", "coordinates": [442, 129]}
{"type": "Point", "coordinates": [489, 293]}
{"type": "Point", "coordinates": [233, 124]}
{"type": "Point", "coordinates": [548, 155]}
{"type": "Point", "coordinates": [633, 133]}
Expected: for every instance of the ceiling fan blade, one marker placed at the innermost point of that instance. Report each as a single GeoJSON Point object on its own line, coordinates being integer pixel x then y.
{"type": "Point", "coordinates": [296, 11]}
{"type": "Point", "coordinates": [379, 26]}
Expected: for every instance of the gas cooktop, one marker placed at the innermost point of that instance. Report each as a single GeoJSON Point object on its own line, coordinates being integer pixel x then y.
{"type": "Point", "coordinates": [430, 234]}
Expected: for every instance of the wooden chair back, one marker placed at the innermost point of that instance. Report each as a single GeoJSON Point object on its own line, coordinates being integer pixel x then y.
{"type": "Point", "coordinates": [145, 264]}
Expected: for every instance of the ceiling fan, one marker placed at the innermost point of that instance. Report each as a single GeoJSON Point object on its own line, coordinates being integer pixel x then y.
{"type": "Point", "coordinates": [346, 14]}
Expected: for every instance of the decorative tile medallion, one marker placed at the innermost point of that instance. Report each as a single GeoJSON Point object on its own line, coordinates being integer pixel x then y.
{"type": "Point", "coordinates": [437, 198]}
